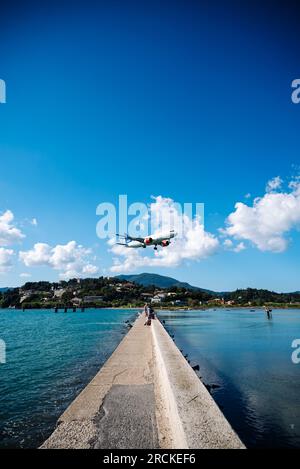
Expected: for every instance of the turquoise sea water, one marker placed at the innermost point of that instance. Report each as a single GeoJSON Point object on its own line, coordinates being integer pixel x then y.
{"type": "Point", "coordinates": [50, 357]}
{"type": "Point", "coordinates": [249, 358]}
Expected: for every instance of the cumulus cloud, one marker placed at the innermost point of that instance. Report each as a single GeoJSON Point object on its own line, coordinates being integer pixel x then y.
{"type": "Point", "coordinates": [192, 243]}
{"type": "Point", "coordinates": [274, 184]}
{"type": "Point", "coordinates": [25, 275]}
{"type": "Point", "coordinates": [9, 234]}
{"type": "Point", "coordinates": [39, 255]}
{"type": "Point", "coordinates": [230, 246]}
{"type": "Point", "coordinates": [268, 221]}
{"type": "Point", "coordinates": [227, 243]}
{"type": "Point", "coordinates": [90, 269]}
{"type": "Point", "coordinates": [6, 258]}
{"type": "Point", "coordinates": [239, 247]}
{"type": "Point", "coordinates": [71, 259]}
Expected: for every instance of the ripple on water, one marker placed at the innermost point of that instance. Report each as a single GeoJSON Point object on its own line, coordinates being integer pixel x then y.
{"type": "Point", "coordinates": [250, 357]}
{"type": "Point", "coordinates": [50, 359]}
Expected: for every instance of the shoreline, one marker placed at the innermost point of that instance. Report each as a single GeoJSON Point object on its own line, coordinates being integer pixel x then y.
{"type": "Point", "coordinates": [167, 308]}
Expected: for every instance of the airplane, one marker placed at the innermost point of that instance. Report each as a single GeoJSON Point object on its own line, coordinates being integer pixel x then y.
{"type": "Point", "coordinates": [133, 242]}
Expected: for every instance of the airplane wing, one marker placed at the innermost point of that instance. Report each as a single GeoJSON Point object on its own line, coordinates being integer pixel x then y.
{"type": "Point", "coordinates": [130, 238]}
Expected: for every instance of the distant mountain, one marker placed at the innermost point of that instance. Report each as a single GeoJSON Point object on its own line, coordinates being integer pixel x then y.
{"type": "Point", "coordinates": [4, 289]}
{"type": "Point", "coordinates": [159, 281]}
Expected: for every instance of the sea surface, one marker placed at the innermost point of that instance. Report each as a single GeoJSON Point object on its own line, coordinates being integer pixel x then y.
{"type": "Point", "coordinates": [50, 358]}
{"type": "Point", "coordinates": [249, 358]}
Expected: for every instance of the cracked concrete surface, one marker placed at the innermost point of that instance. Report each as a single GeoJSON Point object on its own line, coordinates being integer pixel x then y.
{"type": "Point", "coordinates": [127, 418]}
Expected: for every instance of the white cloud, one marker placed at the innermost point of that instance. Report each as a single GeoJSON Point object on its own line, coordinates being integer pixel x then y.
{"type": "Point", "coordinates": [268, 221]}
{"type": "Point", "coordinates": [25, 275]}
{"type": "Point", "coordinates": [230, 246]}
{"type": "Point", "coordinates": [6, 257]}
{"type": "Point", "coordinates": [239, 247]}
{"type": "Point", "coordinates": [90, 269]}
{"type": "Point", "coordinates": [227, 243]}
{"type": "Point", "coordinates": [34, 222]}
{"type": "Point", "coordinates": [39, 255]}
{"type": "Point", "coordinates": [294, 183]}
{"type": "Point", "coordinates": [194, 243]}
{"type": "Point", "coordinates": [274, 184]}
{"type": "Point", "coordinates": [9, 234]}
{"type": "Point", "coordinates": [71, 259]}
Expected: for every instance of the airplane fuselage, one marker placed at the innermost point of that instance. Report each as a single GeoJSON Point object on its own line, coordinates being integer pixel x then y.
{"type": "Point", "coordinates": [162, 240]}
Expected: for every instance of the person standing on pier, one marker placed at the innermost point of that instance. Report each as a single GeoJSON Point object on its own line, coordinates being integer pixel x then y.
{"type": "Point", "coordinates": [151, 315]}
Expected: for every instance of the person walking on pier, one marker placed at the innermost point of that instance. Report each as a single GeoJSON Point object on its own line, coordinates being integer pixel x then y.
{"type": "Point", "coordinates": [146, 311]}
{"type": "Point", "coordinates": [151, 315]}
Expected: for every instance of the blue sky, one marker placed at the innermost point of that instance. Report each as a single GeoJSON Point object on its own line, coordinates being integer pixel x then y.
{"type": "Point", "coordinates": [191, 102]}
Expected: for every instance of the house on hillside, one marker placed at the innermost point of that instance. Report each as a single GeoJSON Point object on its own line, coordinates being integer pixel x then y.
{"type": "Point", "coordinates": [92, 299]}
{"type": "Point", "coordinates": [178, 303]}
{"type": "Point", "coordinates": [216, 300]}
{"type": "Point", "coordinates": [161, 294]}
{"type": "Point", "coordinates": [76, 301]}
{"type": "Point", "coordinates": [59, 292]}
{"type": "Point", "coordinates": [230, 302]}
{"type": "Point", "coordinates": [25, 296]}
{"type": "Point", "coordinates": [156, 299]}
{"type": "Point", "coordinates": [147, 296]}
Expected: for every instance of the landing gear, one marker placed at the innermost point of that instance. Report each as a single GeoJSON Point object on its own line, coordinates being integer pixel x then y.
{"type": "Point", "coordinates": [155, 248]}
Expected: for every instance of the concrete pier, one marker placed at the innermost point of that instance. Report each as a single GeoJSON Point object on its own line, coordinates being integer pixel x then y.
{"type": "Point", "coordinates": [145, 396]}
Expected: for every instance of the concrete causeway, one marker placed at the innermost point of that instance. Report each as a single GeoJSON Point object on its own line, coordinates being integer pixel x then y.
{"type": "Point", "coordinates": [145, 396]}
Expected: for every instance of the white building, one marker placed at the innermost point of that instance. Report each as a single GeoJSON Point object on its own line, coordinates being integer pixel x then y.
{"type": "Point", "coordinates": [156, 299]}
{"type": "Point", "coordinates": [92, 299]}
{"type": "Point", "coordinates": [59, 292]}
